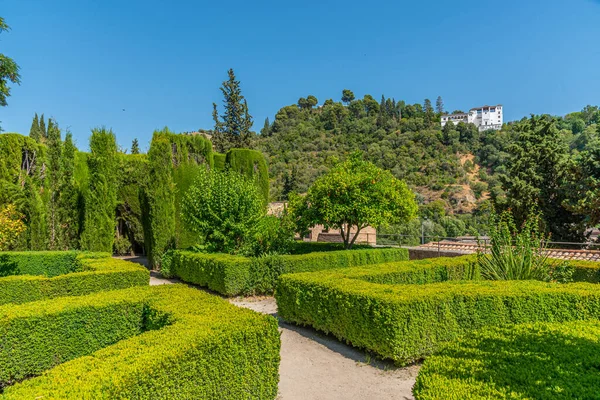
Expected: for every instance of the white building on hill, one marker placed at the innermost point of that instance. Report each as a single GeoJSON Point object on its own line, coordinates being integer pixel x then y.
{"type": "Point", "coordinates": [486, 117]}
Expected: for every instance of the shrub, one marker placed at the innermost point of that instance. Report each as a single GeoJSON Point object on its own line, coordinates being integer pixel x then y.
{"type": "Point", "coordinates": [122, 246]}
{"type": "Point", "coordinates": [223, 207]}
{"type": "Point", "coordinates": [175, 342]}
{"type": "Point", "coordinates": [57, 277]}
{"type": "Point", "coordinates": [11, 226]}
{"type": "Point", "coordinates": [519, 254]}
{"type": "Point", "coordinates": [234, 275]}
{"type": "Point", "coordinates": [270, 235]}
{"type": "Point", "coordinates": [529, 361]}
{"type": "Point", "coordinates": [373, 307]}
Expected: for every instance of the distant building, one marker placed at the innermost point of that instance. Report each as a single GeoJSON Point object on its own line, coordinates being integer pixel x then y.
{"type": "Point", "coordinates": [485, 118]}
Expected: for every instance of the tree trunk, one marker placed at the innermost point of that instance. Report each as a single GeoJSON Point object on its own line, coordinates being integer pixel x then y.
{"type": "Point", "coordinates": [359, 228]}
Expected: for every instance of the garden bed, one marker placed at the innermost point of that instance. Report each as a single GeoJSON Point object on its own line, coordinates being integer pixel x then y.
{"type": "Point", "coordinates": [148, 342]}
{"type": "Point", "coordinates": [32, 276]}
{"type": "Point", "coordinates": [404, 311]}
{"type": "Point", "coordinates": [234, 275]}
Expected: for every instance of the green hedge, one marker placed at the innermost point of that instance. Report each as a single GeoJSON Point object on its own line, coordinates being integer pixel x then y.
{"type": "Point", "coordinates": [218, 161]}
{"type": "Point", "coordinates": [531, 361]}
{"type": "Point", "coordinates": [373, 307]}
{"type": "Point", "coordinates": [93, 272]}
{"type": "Point", "coordinates": [235, 275]}
{"type": "Point", "coordinates": [45, 263]}
{"type": "Point", "coordinates": [176, 343]}
{"type": "Point", "coordinates": [252, 164]}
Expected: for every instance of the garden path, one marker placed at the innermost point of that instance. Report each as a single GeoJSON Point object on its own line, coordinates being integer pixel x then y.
{"type": "Point", "coordinates": [315, 366]}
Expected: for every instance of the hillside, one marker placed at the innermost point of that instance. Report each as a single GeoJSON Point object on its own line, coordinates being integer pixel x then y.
{"type": "Point", "coordinates": [455, 170]}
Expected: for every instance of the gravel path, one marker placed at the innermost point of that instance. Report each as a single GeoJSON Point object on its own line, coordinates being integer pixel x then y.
{"type": "Point", "coordinates": [315, 366]}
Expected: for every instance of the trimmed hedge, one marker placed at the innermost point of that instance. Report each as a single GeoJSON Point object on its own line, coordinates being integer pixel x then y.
{"type": "Point", "coordinates": [199, 346]}
{"type": "Point", "coordinates": [530, 361]}
{"type": "Point", "coordinates": [252, 164]}
{"type": "Point", "coordinates": [44, 263]}
{"type": "Point", "coordinates": [235, 275]}
{"type": "Point", "coordinates": [404, 311]}
{"type": "Point", "coordinates": [91, 272]}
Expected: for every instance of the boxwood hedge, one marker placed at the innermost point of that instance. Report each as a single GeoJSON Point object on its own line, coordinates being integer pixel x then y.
{"type": "Point", "coordinates": [44, 275]}
{"type": "Point", "coordinates": [531, 361]}
{"type": "Point", "coordinates": [166, 341]}
{"type": "Point", "coordinates": [235, 275]}
{"type": "Point", "coordinates": [404, 311]}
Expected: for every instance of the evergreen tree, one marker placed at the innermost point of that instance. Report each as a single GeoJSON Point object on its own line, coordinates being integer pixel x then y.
{"type": "Point", "coordinates": [101, 197]}
{"type": "Point", "coordinates": [135, 147]}
{"type": "Point", "coordinates": [54, 143]}
{"type": "Point", "coordinates": [43, 132]}
{"type": "Point", "coordinates": [34, 131]}
{"type": "Point", "coordinates": [347, 96]}
{"type": "Point", "coordinates": [439, 105]}
{"type": "Point", "coordinates": [429, 112]}
{"type": "Point", "coordinates": [68, 212]}
{"type": "Point", "coordinates": [266, 130]}
{"type": "Point", "coordinates": [232, 129]}
{"type": "Point", "coordinates": [290, 183]}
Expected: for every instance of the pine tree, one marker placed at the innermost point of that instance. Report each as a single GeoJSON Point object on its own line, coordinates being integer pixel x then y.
{"type": "Point", "coordinates": [233, 127]}
{"type": "Point", "coordinates": [266, 130]}
{"type": "Point", "coordinates": [54, 143]}
{"type": "Point", "coordinates": [135, 146]}
{"type": "Point", "coordinates": [34, 131]}
{"type": "Point", "coordinates": [439, 105]}
{"type": "Point", "coordinates": [68, 211]}
{"type": "Point", "coordinates": [381, 117]}
{"type": "Point", "coordinates": [43, 132]}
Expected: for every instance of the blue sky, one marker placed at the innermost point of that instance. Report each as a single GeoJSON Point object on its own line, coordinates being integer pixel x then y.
{"type": "Point", "coordinates": [163, 61]}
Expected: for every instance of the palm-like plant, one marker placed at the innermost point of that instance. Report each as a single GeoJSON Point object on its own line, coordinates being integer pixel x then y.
{"type": "Point", "coordinates": [518, 254]}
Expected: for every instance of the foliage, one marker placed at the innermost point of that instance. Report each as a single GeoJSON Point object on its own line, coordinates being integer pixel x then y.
{"type": "Point", "coordinates": [529, 361]}
{"type": "Point", "coordinates": [251, 164]}
{"type": "Point", "coordinates": [135, 146]}
{"type": "Point", "coordinates": [194, 345]}
{"type": "Point", "coordinates": [9, 71]}
{"type": "Point", "coordinates": [122, 246]}
{"type": "Point", "coordinates": [11, 226]}
{"type": "Point", "coordinates": [519, 254]}
{"type": "Point", "coordinates": [376, 309]}
{"type": "Point", "coordinates": [70, 274]}
{"type": "Point", "coordinates": [223, 207]}
{"type": "Point", "coordinates": [219, 161]}
{"type": "Point", "coordinates": [232, 129]}
{"type": "Point", "coordinates": [357, 194]}
{"type": "Point", "coordinates": [233, 275]}
{"type": "Point", "coordinates": [69, 198]}
{"type": "Point", "coordinates": [101, 198]}
{"type": "Point", "coordinates": [270, 235]}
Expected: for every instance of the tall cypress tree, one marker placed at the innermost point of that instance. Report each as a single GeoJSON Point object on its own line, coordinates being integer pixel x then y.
{"type": "Point", "coordinates": [266, 130]}
{"type": "Point", "coordinates": [101, 197]}
{"type": "Point", "coordinates": [135, 146]}
{"type": "Point", "coordinates": [232, 129]}
{"type": "Point", "coordinates": [54, 177]}
{"type": "Point", "coordinates": [43, 133]}
{"type": "Point", "coordinates": [68, 212]}
{"type": "Point", "coordinates": [34, 131]}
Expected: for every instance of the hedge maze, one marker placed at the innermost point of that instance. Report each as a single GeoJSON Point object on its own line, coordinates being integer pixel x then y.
{"type": "Point", "coordinates": [84, 325]}
{"type": "Point", "coordinates": [405, 311]}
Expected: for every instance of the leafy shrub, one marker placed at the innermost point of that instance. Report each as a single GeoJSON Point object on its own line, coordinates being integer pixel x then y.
{"type": "Point", "coordinates": [65, 274]}
{"type": "Point", "coordinates": [405, 310]}
{"type": "Point", "coordinates": [270, 235]}
{"type": "Point", "coordinates": [122, 246]}
{"type": "Point", "coordinates": [223, 207]}
{"type": "Point", "coordinates": [234, 275]}
{"type": "Point", "coordinates": [520, 254]}
{"type": "Point", "coordinates": [529, 361]}
{"type": "Point", "coordinates": [176, 342]}
{"type": "Point", "coordinates": [11, 226]}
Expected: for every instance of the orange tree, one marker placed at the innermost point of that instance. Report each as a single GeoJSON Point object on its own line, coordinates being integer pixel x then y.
{"type": "Point", "coordinates": [355, 193]}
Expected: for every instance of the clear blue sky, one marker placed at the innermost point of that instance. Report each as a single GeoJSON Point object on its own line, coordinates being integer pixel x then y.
{"type": "Point", "coordinates": [163, 61]}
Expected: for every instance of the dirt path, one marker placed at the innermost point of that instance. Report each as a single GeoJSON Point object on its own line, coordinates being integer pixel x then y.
{"type": "Point", "coordinates": [315, 366]}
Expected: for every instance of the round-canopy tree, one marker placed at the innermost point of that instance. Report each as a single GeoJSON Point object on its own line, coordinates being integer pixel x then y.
{"type": "Point", "coordinates": [355, 193]}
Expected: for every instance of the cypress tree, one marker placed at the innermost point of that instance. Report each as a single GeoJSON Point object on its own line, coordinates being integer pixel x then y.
{"type": "Point", "coordinates": [68, 212]}
{"type": "Point", "coordinates": [135, 147]}
{"type": "Point", "coordinates": [266, 130]}
{"type": "Point", "coordinates": [158, 201]}
{"type": "Point", "coordinates": [439, 105]}
{"type": "Point", "coordinates": [34, 131]}
{"type": "Point", "coordinates": [101, 197]}
{"type": "Point", "coordinates": [43, 133]}
{"type": "Point", "coordinates": [54, 178]}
